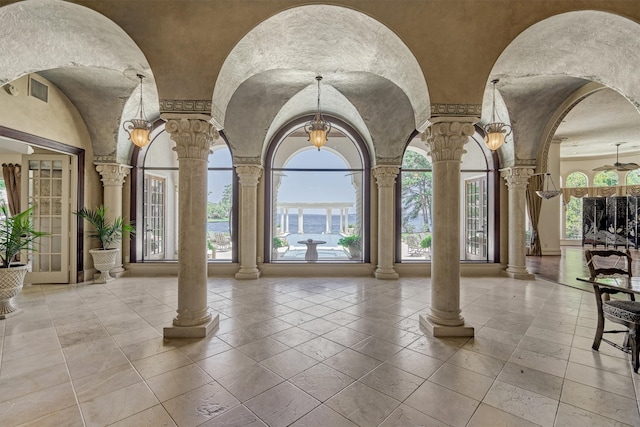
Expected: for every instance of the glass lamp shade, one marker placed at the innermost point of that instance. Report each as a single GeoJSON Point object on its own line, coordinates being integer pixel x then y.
{"type": "Point", "coordinates": [494, 140]}
{"type": "Point", "coordinates": [318, 137]}
{"type": "Point", "coordinates": [548, 194]}
{"type": "Point", "coordinates": [139, 131]}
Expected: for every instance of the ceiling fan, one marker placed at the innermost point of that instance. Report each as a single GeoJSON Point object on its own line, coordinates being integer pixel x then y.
{"type": "Point", "coordinates": [617, 166]}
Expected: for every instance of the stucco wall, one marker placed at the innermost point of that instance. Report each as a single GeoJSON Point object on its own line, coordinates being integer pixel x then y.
{"type": "Point", "coordinates": [57, 120]}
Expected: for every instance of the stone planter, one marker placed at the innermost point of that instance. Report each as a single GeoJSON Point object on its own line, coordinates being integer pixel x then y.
{"type": "Point", "coordinates": [104, 260]}
{"type": "Point", "coordinates": [355, 252]}
{"type": "Point", "coordinates": [11, 281]}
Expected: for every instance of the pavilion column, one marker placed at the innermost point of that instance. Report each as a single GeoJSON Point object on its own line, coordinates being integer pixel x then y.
{"type": "Point", "coordinates": [112, 176]}
{"type": "Point", "coordinates": [249, 175]}
{"type": "Point", "coordinates": [386, 179]}
{"type": "Point", "coordinates": [446, 139]}
{"type": "Point", "coordinates": [517, 179]}
{"type": "Point", "coordinates": [282, 215]}
{"type": "Point", "coordinates": [193, 140]}
{"type": "Point", "coordinates": [286, 224]}
{"type": "Point", "coordinates": [328, 227]}
{"type": "Point", "coordinates": [300, 220]}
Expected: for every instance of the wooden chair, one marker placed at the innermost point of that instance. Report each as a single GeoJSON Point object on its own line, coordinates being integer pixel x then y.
{"type": "Point", "coordinates": [623, 312]}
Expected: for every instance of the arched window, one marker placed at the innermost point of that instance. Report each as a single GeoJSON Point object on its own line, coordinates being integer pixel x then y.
{"type": "Point", "coordinates": [316, 200]}
{"type": "Point", "coordinates": [158, 211]}
{"type": "Point", "coordinates": [605, 179]}
{"type": "Point", "coordinates": [573, 208]}
{"type": "Point", "coordinates": [633, 177]}
{"type": "Point", "coordinates": [415, 203]}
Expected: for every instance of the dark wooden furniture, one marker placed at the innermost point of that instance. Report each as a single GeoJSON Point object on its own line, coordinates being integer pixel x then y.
{"type": "Point", "coordinates": [610, 273]}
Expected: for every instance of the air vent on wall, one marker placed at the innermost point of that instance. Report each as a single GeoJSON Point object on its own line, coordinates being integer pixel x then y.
{"type": "Point", "coordinates": [38, 90]}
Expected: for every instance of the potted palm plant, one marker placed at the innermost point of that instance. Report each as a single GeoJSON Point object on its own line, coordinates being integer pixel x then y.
{"type": "Point", "coordinates": [109, 233]}
{"type": "Point", "coordinates": [17, 234]}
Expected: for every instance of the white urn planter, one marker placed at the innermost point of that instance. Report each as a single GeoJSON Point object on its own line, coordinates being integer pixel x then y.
{"type": "Point", "coordinates": [11, 281]}
{"type": "Point", "coordinates": [104, 260]}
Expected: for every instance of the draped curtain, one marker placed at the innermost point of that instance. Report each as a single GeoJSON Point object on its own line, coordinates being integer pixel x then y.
{"type": "Point", "coordinates": [534, 204]}
{"type": "Point", "coordinates": [11, 176]}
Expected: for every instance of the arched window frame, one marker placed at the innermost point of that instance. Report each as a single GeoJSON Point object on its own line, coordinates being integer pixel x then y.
{"type": "Point", "coordinates": [493, 203]}
{"type": "Point", "coordinates": [138, 157]}
{"type": "Point", "coordinates": [280, 136]}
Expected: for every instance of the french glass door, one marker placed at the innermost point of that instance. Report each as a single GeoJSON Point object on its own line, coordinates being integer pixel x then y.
{"type": "Point", "coordinates": [45, 185]}
{"type": "Point", "coordinates": [154, 217]}
{"type": "Point", "coordinates": [476, 218]}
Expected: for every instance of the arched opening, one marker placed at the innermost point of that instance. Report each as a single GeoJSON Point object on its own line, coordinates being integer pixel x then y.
{"type": "Point", "coordinates": [478, 198]}
{"type": "Point", "coordinates": [317, 196]}
{"type": "Point", "coordinates": [157, 202]}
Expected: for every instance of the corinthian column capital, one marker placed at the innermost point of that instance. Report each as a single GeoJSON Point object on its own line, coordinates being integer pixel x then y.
{"type": "Point", "coordinates": [517, 178]}
{"type": "Point", "coordinates": [446, 139]}
{"type": "Point", "coordinates": [112, 174]}
{"type": "Point", "coordinates": [385, 175]}
{"type": "Point", "coordinates": [193, 138]}
{"type": "Point", "coordinates": [249, 175]}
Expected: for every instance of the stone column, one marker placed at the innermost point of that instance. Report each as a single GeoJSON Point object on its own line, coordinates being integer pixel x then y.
{"type": "Point", "coordinates": [328, 222]}
{"type": "Point", "coordinates": [112, 176]}
{"type": "Point", "coordinates": [193, 140]}
{"type": "Point", "coordinates": [300, 221]}
{"type": "Point", "coordinates": [386, 179]}
{"type": "Point", "coordinates": [249, 175]}
{"type": "Point", "coordinates": [517, 179]}
{"type": "Point", "coordinates": [446, 139]}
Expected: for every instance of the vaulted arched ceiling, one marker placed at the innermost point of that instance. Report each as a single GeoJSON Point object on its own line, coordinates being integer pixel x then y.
{"type": "Point", "coordinates": [90, 58]}
{"type": "Point", "coordinates": [555, 57]}
{"type": "Point", "coordinates": [357, 56]}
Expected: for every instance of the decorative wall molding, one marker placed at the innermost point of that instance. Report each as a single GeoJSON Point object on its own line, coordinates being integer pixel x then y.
{"type": "Point", "coordinates": [456, 110]}
{"type": "Point", "coordinates": [185, 106]}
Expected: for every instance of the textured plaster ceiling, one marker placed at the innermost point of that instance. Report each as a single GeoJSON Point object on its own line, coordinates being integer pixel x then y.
{"type": "Point", "coordinates": [90, 58]}
{"type": "Point", "coordinates": [598, 122]}
{"type": "Point", "coordinates": [371, 79]}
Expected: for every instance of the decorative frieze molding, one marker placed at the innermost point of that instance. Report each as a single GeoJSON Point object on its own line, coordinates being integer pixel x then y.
{"type": "Point", "coordinates": [456, 110]}
{"type": "Point", "coordinates": [446, 139]}
{"type": "Point", "coordinates": [249, 175]}
{"type": "Point", "coordinates": [112, 174]}
{"type": "Point", "coordinates": [389, 161]}
{"type": "Point", "coordinates": [385, 175]}
{"type": "Point", "coordinates": [110, 158]}
{"type": "Point", "coordinates": [202, 106]}
{"type": "Point", "coordinates": [193, 138]}
{"type": "Point", "coordinates": [251, 161]}
{"type": "Point", "coordinates": [517, 178]}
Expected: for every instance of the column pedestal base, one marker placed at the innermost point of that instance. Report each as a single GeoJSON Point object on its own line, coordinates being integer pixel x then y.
{"type": "Point", "coordinates": [520, 274]}
{"type": "Point", "coordinates": [248, 274]}
{"type": "Point", "coordinates": [117, 271]}
{"type": "Point", "coordinates": [446, 331]}
{"type": "Point", "coordinates": [386, 274]}
{"type": "Point", "coordinates": [197, 331]}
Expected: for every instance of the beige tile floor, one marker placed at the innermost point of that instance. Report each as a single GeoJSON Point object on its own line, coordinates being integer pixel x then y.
{"type": "Point", "coordinates": [310, 352]}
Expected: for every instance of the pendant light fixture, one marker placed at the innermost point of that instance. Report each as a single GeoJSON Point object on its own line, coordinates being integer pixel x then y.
{"type": "Point", "coordinates": [495, 132]}
{"type": "Point", "coordinates": [318, 128]}
{"type": "Point", "coordinates": [546, 193]}
{"type": "Point", "coordinates": [139, 128]}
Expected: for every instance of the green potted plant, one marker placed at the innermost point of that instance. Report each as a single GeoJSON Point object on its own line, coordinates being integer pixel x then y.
{"type": "Point", "coordinates": [277, 244]}
{"type": "Point", "coordinates": [109, 233]}
{"type": "Point", "coordinates": [212, 249]}
{"type": "Point", "coordinates": [354, 244]}
{"type": "Point", "coordinates": [426, 242]}
{"type": "Point", "coordinates": [17, 234]}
